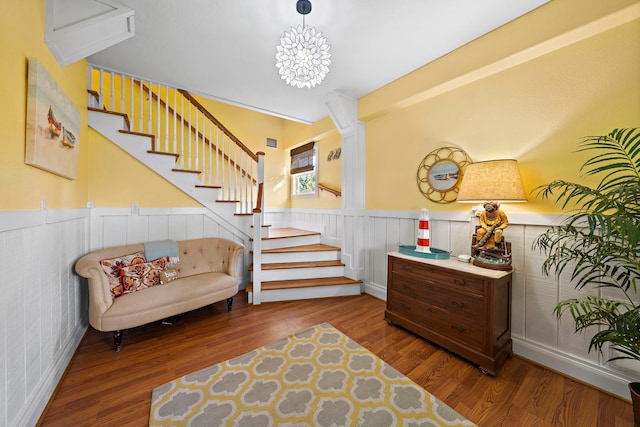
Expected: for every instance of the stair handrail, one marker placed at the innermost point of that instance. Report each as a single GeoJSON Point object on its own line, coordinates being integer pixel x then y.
{"type": "Point", "coordinates": [210, 116]}
{"type": "Point", "coordinates": [335, 192]}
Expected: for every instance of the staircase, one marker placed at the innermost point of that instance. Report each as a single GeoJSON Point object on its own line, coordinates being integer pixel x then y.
{"type": "Point", "coordinates": [170, 132]}
{"type": "Point", "coordinates": [296, 265]}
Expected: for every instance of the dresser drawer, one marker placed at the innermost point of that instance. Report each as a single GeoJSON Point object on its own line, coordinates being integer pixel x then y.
{"type": "Point", "coordinates": [427, 274]}
{"type": "Point", "coordinates": [459, 328]}
{"type": "Point", "coordinates": [468, 305]}
{"type": "Point", "coordinates": [463, 308]}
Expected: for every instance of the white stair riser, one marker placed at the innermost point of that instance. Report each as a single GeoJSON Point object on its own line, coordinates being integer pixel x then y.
{"type": "Point", "coordinates": [107, 122]}
{"type": "Point", "coordinates": [301, 257]}
{"type": "Point", "coordinates": [308, 293]}
{"type": "Point", "coordinates": [207, 194]}
{"type": "Point", "coordinates": [301, 273]}
{"type": "Point", "coordinates": [290, 241]}
{"type": "Point", "coordinates": [222, 208]}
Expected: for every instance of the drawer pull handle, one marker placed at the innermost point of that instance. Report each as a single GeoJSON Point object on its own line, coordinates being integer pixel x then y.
{"type": "Point", "coordinates": [460, 282]}
{"type": "Point", "coordinates": [460, 305]}
{"type": "Point", "coordinates": [405, 307]}
{"type": "Point", "coordinates": [407, 268]}
{"type": "Point", "coordinates": [459, 329]}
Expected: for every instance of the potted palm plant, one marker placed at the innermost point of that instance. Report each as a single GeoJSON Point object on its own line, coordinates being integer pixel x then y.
{"type": "Point", "coordinates": [599, 244]}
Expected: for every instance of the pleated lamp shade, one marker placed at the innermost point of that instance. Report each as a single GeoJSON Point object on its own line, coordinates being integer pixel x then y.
{"type": "Point", "coordinates": [493, 180]}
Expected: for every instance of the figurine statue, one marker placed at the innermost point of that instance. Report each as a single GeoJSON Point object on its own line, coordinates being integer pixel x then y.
{"type": "Point", "coordinates": [492, 221]}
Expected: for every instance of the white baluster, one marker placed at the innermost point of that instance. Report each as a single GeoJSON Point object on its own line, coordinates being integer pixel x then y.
{"type": "Point", "coordinates": [235, 172]}
{"type": "Point", "coordinates": [132, 115]}
{"type": "Point", "coordinates": [166, 119]}
{"type": "Point", "coordinates": [190, 132]}
{"type": "Point", "coordinates": [150, 112]}
{"type": "Point", "coordinates": [210, 180]}
{"type": "Point", "coordinates": [251, 163]}
{"type": "Point", "coordinates": [101, 96]}
{"type": "Point", "coordinates": [197, 133]}
{"type": "Point", "coordinates": [141, 110]}
{"type": "Point", "coordinates": [203, 148]}
{"type": "Point", "coordinates": [122, 94]}
{"type": "Point", "coordinates": [111, 91]}
{"type": "Point", "coordinates": [217, 156]}
{"type": "Point", "coordinates": [246, 181]}
{"type": "Point", "coordinates": [229, 166]}
{"type": "Point", "coordinates": [175, 122]}
{"type": "Point", "coordinates": [182, 134]}
{"type": "Point", "coordinates": [158, 124]}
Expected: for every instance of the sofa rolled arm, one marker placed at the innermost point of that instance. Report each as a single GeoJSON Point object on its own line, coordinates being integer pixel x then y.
{"type": "Point", "coordinates": [233, 261]}
{"type": "Point", "coordinates": [100, 298]}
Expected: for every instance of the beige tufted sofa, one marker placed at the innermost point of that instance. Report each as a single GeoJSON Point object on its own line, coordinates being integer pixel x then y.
{"type": "Point", "coordinates": [208, 272]}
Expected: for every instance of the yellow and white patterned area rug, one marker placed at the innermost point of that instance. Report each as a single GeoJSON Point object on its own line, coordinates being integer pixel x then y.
{"type": "Point", "coordinates": [316, 377]}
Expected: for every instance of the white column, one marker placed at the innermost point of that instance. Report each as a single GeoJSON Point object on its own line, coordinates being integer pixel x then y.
{"type": "Point", "coordinates": [344, 113]}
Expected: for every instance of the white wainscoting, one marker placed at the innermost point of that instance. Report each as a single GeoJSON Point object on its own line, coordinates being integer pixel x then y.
{"type": "Point", "coordinates": [115, 226]}
{"type": "Point", "coordinates": [42, 307]}
{"type": "Point", "coordinates": [537, 334]}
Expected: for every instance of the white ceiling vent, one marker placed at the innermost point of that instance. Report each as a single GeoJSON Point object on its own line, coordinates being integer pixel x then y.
{"type": "Point", "coordinates": [272, 143]}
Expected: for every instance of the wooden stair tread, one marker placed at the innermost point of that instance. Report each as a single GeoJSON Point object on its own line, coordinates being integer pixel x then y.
{"type": "Point", "coordinates": [130, 132]}
{"type": "Point", "coordinates": [302, 264]}
{"type": "Point", "coordinates": [163, 153]}
{"type": "Point", "coordinates": [304, 283]}
{"type": "Point", "coordinates": [318, 247]}
{"type": "Point", "coordinates": [186, 170]}
{"type": "Point", "coordinates": [280, 233]}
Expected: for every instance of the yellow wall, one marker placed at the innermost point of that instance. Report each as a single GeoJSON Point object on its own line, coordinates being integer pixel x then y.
{"type": "Point", "coordinates": [529, 90]}
{"type": "Point", "coordinates": [533, 107]}
{"type": "Point", "coordinates": [327, 139]}
{"type": "Point", "coordinates": [329, 174]}
{"type": "Point", "coordinates": [116, 180]}
{"type": "Point", "coordinates": [23, 187]}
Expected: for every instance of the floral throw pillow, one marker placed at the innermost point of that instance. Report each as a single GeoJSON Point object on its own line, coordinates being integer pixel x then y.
{"type": "Point", "coordinates": [112, 267]}
{"type": "Point", "coordinates": [137, 277]}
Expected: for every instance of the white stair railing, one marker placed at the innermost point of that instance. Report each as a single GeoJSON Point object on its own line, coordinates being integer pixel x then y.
{"type": "Point", "coordinates": [182, 126]}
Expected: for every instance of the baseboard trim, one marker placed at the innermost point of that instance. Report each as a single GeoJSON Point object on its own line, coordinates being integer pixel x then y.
{"type": "Point", "coordinates": [307, 293]}
{"type": "Point", "coordinates": [30, 415]}
{"type": "Point", "coordinates": [581, 370]}
{"type": "Point", "coordinates": [377, 291]}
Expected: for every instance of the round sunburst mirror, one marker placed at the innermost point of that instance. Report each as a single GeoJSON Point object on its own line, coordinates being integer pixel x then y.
{"type": "Point", "coordinates": [440, 173]}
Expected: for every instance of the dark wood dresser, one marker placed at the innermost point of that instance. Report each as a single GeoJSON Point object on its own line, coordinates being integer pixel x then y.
{"type": "Point", "coordinates": [461, 307]}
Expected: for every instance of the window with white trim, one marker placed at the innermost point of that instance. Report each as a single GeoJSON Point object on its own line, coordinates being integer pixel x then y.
{"type": "Point", "coordinates": [304, 171]}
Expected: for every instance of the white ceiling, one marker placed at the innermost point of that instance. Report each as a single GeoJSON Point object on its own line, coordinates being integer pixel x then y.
{"type": "Point", "coordinates": [225, 49]}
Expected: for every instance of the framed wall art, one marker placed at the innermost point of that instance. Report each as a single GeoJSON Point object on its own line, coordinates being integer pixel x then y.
{"type": "Point", "coordinates": [440, 173]}
{"type": "Point", "coordinates": [53, 125]}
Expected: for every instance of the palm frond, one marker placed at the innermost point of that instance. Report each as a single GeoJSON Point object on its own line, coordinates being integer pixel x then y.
{"type": "Point", "coordinates": [599, 242]}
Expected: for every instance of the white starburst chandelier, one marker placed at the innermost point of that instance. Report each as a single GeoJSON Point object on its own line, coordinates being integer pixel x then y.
{"type": "Point", "coordinates": [303, 55]}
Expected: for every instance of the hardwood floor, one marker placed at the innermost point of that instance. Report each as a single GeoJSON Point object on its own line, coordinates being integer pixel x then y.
{"type": "Point", "coordinates": [103, 388]}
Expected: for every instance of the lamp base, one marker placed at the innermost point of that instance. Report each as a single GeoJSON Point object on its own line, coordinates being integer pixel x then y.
{"type": "Point", "coordinates": [484, 263]}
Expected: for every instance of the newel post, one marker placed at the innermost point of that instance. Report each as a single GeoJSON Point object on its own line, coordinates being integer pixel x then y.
{"type": "Point", "coordinates": [258, 219]}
